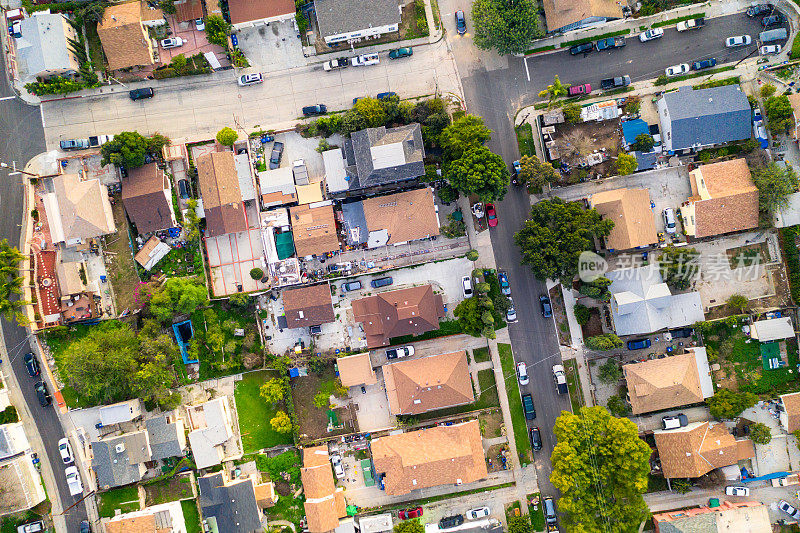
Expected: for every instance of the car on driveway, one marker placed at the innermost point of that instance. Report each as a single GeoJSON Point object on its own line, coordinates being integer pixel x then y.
{"type": "Point", "coordinates": [451, 521]}
{"type": "Point", "coordinates": [42, 394]}
{"type": "Point", "coordinates": [399, 352]}
{"type": "Point", "coordinates": [651, 34]}
{"type": "Point", "coordinates": [505, 286]}
{"type": "Point", "coordinates": [171, 42]}
{"type": "Point", "coordinates": [250, 79]}
{"type": "Point", "coordinates": [480, 512]}
{"type": "Point", "coordinates": [669, 220]}
{"type": "Point", "coordinates": [547, 308]}
{"type": "Point", "coordinates": [522, 373]}
{"type": "Point", "coordinates": [141, 94]}
{"type": "Point", "coordinates": [536, 438]}
{"type": "Point", "coordinates": [737, 491]}
{"type": "Point", "coordinates": [491, 215]}
{"type": "Point", "coordinates": [397, 53]}
{"type": "Point", "coordinates": [737, 41]}
{"type": "Point", "coordinates": [351, 286]}
{"type": "Point", "coordinates": [584, 48]}
{"type": "Point", "coordinates": [314, 110]}
{"type": "Point", "coordinates": [578, 90]}
{"type": "Point", "coordinates": [784, 506]}
{"type": "Point", "coordinates": [773, 20]}
{"type": "Point", "coordinates": [770, 49]}
{"type": "Point", "coordinates": [381, 282]}
{"type": "Point", "coordinates": [677, 70]}
{"type": "Point", "coordinates": [31, 527]}
{"type": "Point", "coordinates": [674, 422]}
{"type": "Point", "coordinates": [466, 285]}
{"type": "Point", "coordinates": [706, 63]}
{"type": "Point", "coordinates": [31, 364]}
{"type": "Point", "coordinates": [386, 95]}
{"type": "Point", "coordinates": [759, 9]}
{"type": "Point", "coordinates": [639, 344]}
{"type": "Point", "coordinates": [511, 314]}
{"type": "Point", "coordinates": [65, 450]}
{"type": "Point", "coordinates": [199, 24]}
{"type": "Point", "coordinates": [528, 408]}
{"type": "Point", "coordinates": [461, 22]}
{"type": "Point", "coordinates": [408, 514]}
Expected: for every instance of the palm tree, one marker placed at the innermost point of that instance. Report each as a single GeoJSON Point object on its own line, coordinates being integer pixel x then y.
{"type": "Point", "coordinates": [554, 91]}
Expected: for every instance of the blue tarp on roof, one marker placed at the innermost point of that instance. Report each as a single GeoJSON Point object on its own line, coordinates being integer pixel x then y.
{"type": "Point", "coordinates": [632, 128]}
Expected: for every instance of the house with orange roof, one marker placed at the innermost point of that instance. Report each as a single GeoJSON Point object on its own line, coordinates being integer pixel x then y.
{"type": "Point", "coordinates": [428, 383]}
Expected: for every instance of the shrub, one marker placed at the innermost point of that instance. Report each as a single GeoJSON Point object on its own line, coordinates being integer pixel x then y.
{"type": "Point", "coordinates": [767, 90]}
{"type": "Point", "coordinates": [582, 314]}
{"type": "Point", "coordinates": [610, 371]}
{"type": "Point", "coordinates": [256, 273]}
{"type": "Point", "coordinates": [760, 433]}
{"type": "Point", "coordinates": [227, 136]}
{"type": "Point", "coordinates": [607, 341]}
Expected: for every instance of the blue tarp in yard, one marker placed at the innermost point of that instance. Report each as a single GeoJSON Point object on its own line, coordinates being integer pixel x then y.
{"type": "Point", "coordinates": [632, 128]}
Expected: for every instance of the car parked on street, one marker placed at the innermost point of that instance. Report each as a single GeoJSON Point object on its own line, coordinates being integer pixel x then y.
{"type": "Point", "coordinates": [639, 344]}
{"type": "Point", "coordinates": [335, 64]}
{"type": "Point", "coordinates": [704, 64]}
{"type": "Point", "coordinates": [73, 480]}
{"type": "Point", "coordinates": [536, 438]}
{"type": "Point", "coordinates": [480, 512]}
{"type": "Point", "coordinates": [408, 514]}
{"type": "Point", "coordinates": [511, 314]}
{"type": "Point", "coordinates": [171, 42]}
{"type": "Point", "coordinates": [547, 308]}
{"type": "Point", "coordinates": [759, 9]}
{"type": "Point", "coordinates": [386, 95]}
{"type": "Point", "coordinates": [528, 407]}
{"type": "Point", "coordinates": [31, 364]}
{"type": "Point", "coordinates": [466, 285]}
{"type": "Point", "coordinates": [677, 70]}
{"type": "Point", "coordinates": [773, 20]}
{"type": "Point", "coordinates": [651, 34]}
{"type": "Point", "coordinates": [141, 94]}
{"type": "Point", "coordinates": [737, 491]}
{"type": "Point", "coordinates": [314, 110]}
{"type": "Point", "coordinates": [461, 22]}
{"type": "Point", "coordinates": [250, 79]}
{"type": "Point", "coordinates": [397, 53]}
{"type": "Point", "coordinates": [491, 215]}
{"type": "Point", "coordinates": [522, 373]}
{"type": "Point", "coordinates": [550, 514]}
{"type": "Point", "coordinates": [770, 49]}
{"type": "Point", "coordinates": [578, 90]}
{"type": "Point", "coordinates": [584, 48]}
{"type": "Point", "coordinates": [784, 506]}
{"type": "Point", "coordinates": [74, 144]}
{"type": "Point", "coordinates": [505, 286]}
{"type": "Point", "coordinates": [65, 449]}
{"type": "Point", "coordinates": [42, 394]}
{"type": "Point", "coordinates": [739, 40]}
{"type": "Point", "coordinates": [365, 60]}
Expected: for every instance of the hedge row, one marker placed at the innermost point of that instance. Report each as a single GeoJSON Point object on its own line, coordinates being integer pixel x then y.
{"type": "Point", "coordinates": [792, 255]}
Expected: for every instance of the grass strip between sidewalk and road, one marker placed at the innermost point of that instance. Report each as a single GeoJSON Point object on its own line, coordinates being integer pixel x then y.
{"type": "Point", "coordinates": [525, 139]}
{"type": "Point", "coordinates": [440, 497]}
{"type": "Point", "coordinates": [541, 49]}
{"type": "Point", "coordinates": [515, 403]}
{"type": "Point", "coordinates": [663, 80]}
{"type": "Point", "coordinates": [574, 385]}
{"type": "Point", "coordinates": [576, 42]}
{"type": "Point", "coordinates": [537, 516]}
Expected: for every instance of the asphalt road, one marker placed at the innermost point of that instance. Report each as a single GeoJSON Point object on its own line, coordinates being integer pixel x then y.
{"type": "Point", "coordinates": [22, 137]}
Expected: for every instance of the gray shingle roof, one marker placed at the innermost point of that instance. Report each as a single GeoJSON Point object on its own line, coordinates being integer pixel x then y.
{"type": "Point", "coordinates": [114, 468]}
{"type": "Point", "coordinates": [233, 506]}
{"type": "Point", "coordinates": [384, 156]}
{"type": "Point", "coordinates": [335, 17]}
{"type": "Point", "coordinates": [43, 45]}
{"type": "Point", "coordinates": [705, 116]}
{"type": "Point", "coordinates": [163, 438]}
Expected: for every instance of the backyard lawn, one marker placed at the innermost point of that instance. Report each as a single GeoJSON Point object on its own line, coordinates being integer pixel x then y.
{"type": "Point", "coordinates": [191, 516]}
{"type": "Point", "coordinates": [537, 516]}
{"type": "Point", "coordinates": [481, 354]}
{"type": "Point", "coordinates": [255, 413]}
{"type": "Point", "coordinates": [515, 403]}
{"type": "Point", "coordinates": [124, 498]}
{"type": "Point", "coordinates": [168, 490]}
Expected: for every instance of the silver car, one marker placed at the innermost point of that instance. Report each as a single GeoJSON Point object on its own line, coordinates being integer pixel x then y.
{"type": "Point", "coordinates": [652, 34]}
{"type": "Point", "coordinates": [739, 40]}
{"type": "Point", "coordinates": [250, 79]}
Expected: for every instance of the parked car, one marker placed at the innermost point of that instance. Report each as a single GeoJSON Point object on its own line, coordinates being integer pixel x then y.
{"type": "Point", "coordinates": [784, 506]}
{"type": "Point", "coordinates": [549, 508]}
{"type": "Point", "coordinates": [739, 40]}
{"type": "Point", "coordinates": [560, 379]}
{"type": "Point", "coordinates": [536, 438]}
{"type": "Point", "coordinates": [65, 449]}
{"type": "Point", "coordinates": [31, 527]}
{"type": "Point", "coordinates": [759, 9]}
{"type": "Point", "coordinates": [609, 43]}
{"type": "Point", "coordinates": [335, 64]}
{"type": "Point", "coordinates": [141, 94]}
{"type": "Point", "coordinates": [199, 24]}
{"type": "Point", "coordinates": [276, 155]}
{"type": "Point", "coordinates": [528, 407]}
{"type": "Point", "coordinates": [31, 364]}
{"type": "Point", "coordinates": [639, 344]}
{"type": "Point", "coordinates": [674, 422]}
{"type": "Point", "coordinates": [461, 22]}
{"type": "Point", "coordinates": [511, 314]}
{"type": "Point", "coordinates": [651, 34]}
{"type": "Point", "coordinates": [74, 144]}
{"type": "Point", "coordinates": [480, 512]}
{"type": "Point", "coordinates": [706, 63]}
{"type": "Point", "coordinates": [381, 282]}
{"type": "Point", "coordinates": [681, 333]}
{"type": "Point", "coordinates": [451, 521]}
{"type": "Point", "coordinates": [338, 469]}
{"type": "Point", "coordinates": [522, 373]}
{"type": "Point", "coordinates": [770, 49]}
{"type": "Point", "coordinates": [171, 42]}
{"type": "Point", "coordinates": [349, 286]}
{"type": "Point", "coordinates": [400, 351]}
{"type": "Point", "coordinates": [491, 215]}
{"type": "Point", "coordinates": [183, 189]}
{"type": "Point", "coordinates": [408, 514]}
{"type": "Point", "coordinates": [737, 491]}
{"type": "Point", "coordinates": [547, 309]}
{"type": "Point", "coordinates": [397, 53]}
{"type": "Point", "coordinates": [615, 82]}
{"type": "Point", "coordinates": [73, 480]}
{"type": "Point", "coordinates": [42, 394]}
{"type": "Point", "coordinates": [677, 70]}
{"type": "Point", "coordinates": [692, 24]}
{"type": "Point", "coordinates": [386, 95]}
{"type": "Point", "coordinates": [578, 90]}
{"type": "Point", "coordinates": [365, 60]}
{"type": "Point", "coordinates": [773, 20]}
{"type": "Point", "coordinates": [505, 286]}
{"type": "Point", "coordinates": [584, 48]}
{"type": "Point", "coordinates": [466, 284]}
{"type": "Point", "coordinates": [250, 79]}
{"type": "Point", "coordinates": [669, 220]}
{"type": "Point", "coordinates": [314, 110]}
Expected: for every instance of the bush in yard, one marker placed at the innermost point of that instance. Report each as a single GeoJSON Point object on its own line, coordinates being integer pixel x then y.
{"type": "Point", "coordinates": [617, 406]}
{"type": "Point", "coordinates": [11, 305]}
{"type": "Point", "coordinates": [240, 300]}
{"type": "Point", "coordinates": [482, 287]}
{"type": "Point", "coordinates": [463, 134]}
{"type": "Point", "coordinates": [738, 302]}
{"type": "Point", "coordinates": [409, 526]}
{"type": "Point", "coordinates": [9, 415]}
{"type": "Point", "coordinates": [728, 404]}
{"type": "Point", "coordinates": [760, 433]}
{"type": "Point", "coordinates": [372, 111]}
{"type": "Point", "coordinates": [472, 255]}
{"type": "Point", "coordinates": [281, 422]}
{"type": "Point", "coordinates": [644, 142]}
{"type": "Point", "coordinates": [779, 113]}
{"type": "Point", "coordinates": [177, 296]}
{"type": "Point", "coordinates": [520, 524]}
{"type": "Point", "coordinates": [55, 85]}
{"type": "Point", "coordinates": [274, 390]}
{"type": "Point", "coordinates": [682, 486]}
{"type": "Point", "coordinates": [679, 266]}
{"type": "Point", "coordinates": [126, 149]}
{"type": "Point", "coordinates": [322, 400]}
{"type": "Point", "coordinates": [479, 172]}
{"type": "Point", "coordinates": [610, 371]}
{"type": "Point", "coordinates": [256, 273]}
{"type": "Point", "coordinates": [508, 27]}
{"type": "Point", "coordinates": [767, 90]}
{"type": "Point", "coordinates": [447, 193]}
{"type": "Point", "coordinates": [572, 113]}
{"type": "Point", "coordinates": [217, 30]}
{"type": "Point", "coordinates": [626, 164]}
{"type": "Point", "coordinates": [597, 289]}
{"type": "Point", "coordinates": [607, 341]}
{"type": "Point", "coordinates": [774, 185]}
{"type": "Point", "coordinates": [227, 136]}
{"type": "Point", "coordinates": [582, 314]}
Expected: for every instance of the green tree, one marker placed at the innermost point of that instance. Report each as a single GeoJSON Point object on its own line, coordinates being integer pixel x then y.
{"type": "Point", "coordinates": [470, 314]}
{"type": "Point", "coordinates": [582, 314]}
{"type": "Point", "coordinates": [597, 289]}
{"type": "Point", "coordinates": [644, 142]}
{"type": "Point", "coordinates": [352, 121]}
{"type": "Point", "coordinates": [554, 236]}
{"type": "Point", "coordinates": [472, 255]}
{"type": "Point", "coordinates": [409, 526]}
{"type": "Point", "coordinates": [617, 406]}
{"type": "Point", "coordinates": [240, 300]}
{"type": "Point", "coordinates": [738, 302]}
{"type": "Point", "coordinates": [156, 144]}
{"type": "Point", "coordinates": [610, 371]}
{"type": "Point", "coordinates": [626, 164]}
{"type": "Point", "coordinates": [281, 422]}
{"type": "Point", "coordinates": [177, 296]}
{"type": "Point", "coordinates": [508, 27]}
{"type": "Point", "coordinates": [274, 390]}
{"type": "Point", "coordinates": [536, 173]}
{"type": "Point", "coordinates": [600, 465]}
{"type": "Point", "coordinates": [779, 113]}
{"type": "Point", "coordinates": [11, 305]}
{"type": "Point", "coordinates": [520, 524]}
{"type": "Point", "coordinates": [322, 400]}
{"type": "Point", "coordinates": [227, 136]}
{"type": "Point", "coordinates": [168, 6]}
{"type": "Point", "coordinates": [179, 62]}
{"type": "Point", "coordinates": [767, 90]}
{"type": "Point", "coordinates": [372, 111]}
{"type": "Point", "coordinates": [256, 273]}
{"type": "Point", "coordinates": [572, 113]}
{"type": "Point", "coordinates": [462, 135]}
{"type": "Point", "coordinates": [55, 85]}
{"type": "Point", "coordinates": [126, 149]}
{"type": "Point", "coordinates": [728, 404]}
{"type": "Point", "coordinates": [760, 433]}
{"type": "Point", "coordinates": [217, 30]}
{"type": "Point", "coordinates": [606, 341]}
{"type": "Point", "coordinates": [479, 172]}
{"type": "Point", "coordinates": [682, 486]}
{"type": "Point", "coordinates": [554, 90]}
{"type": "Point", "coordinates": [774, 184]}
{"type": "Point", "coordinates": [679, 266]}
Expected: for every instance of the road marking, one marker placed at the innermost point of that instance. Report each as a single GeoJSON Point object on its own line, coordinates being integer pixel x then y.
{"type": "Point", "coordinates": [7, 98]}
{"type": "Point", "coordinates": [527, 73]}
{"type": "Point", "coordinates": [16, 173]}
{"type": "Point", "coordinates": [41, 112]}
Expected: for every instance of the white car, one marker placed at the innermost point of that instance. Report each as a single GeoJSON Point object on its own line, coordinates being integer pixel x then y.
{"type": "Point", "coordinates": [364, 60]}
{"type": "Point", "coordinates": [65, 450]}
{"type": "Point", "coordinates": [739, 40]}
{"type": "Point", "coordinates": [466, 284]}
{"type": "Point", "coordinates": [73, 480]}
{"type": "Point", "coordinates": [522, 373]}
{"type": "Point", "coordinates": [669, 220]}
{"type": "Point", "coordinates": [200, 24]}
{"type": "Point", "coordinates": [677, 70]}
{"type": "Point", "coordinates": [172, 42]}
{"type": "Point", "coordinates": [769, 49]}
{"type": "Point", "coordinates": [250, 79]}
{"type": "Point", "coordinates": [784, 506]}
{"type": "Point", "coordinates": [511, 314]}
{"type": "Point", "coordinates": [650, 35]}
{"type": "Point", "coordinates": [737, 491]}
{"type": "Point", "coordinates": [480, 512]}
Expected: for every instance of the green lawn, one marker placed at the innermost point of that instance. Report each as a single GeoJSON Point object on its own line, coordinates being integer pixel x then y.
{"type": "Point", "coordinates": [446, 327]}
{"type": "Point", "coordinates": [537, 516]}
{"type": "Point", "coordinates": [525, 139]}
{"type": "Point", "coordinates": [574, 385]}
{"type": "Point", "coordinates": [124, 498]}
{"type": "Point", "coordinates": [480, 355]}
{"type": "Point", "coordinates": [191, 516]}
{"type": "Point", "coordinates": [515, 403]}
{"type": "Point", "coordinates": [255, 414]}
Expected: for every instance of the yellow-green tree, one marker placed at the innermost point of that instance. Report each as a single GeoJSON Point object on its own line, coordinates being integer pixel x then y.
{"type": "Point", "coordinates": [281, 422]}
{"type": "Point", "coordinates": [554, 90]}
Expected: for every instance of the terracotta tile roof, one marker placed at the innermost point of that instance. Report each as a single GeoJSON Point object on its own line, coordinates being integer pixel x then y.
{"type": "Point", "coordinates": [791, 403]}
{"type": "Point", "coordinates": [407, 216]}
{"type": "Point", "coordinates": [439, 455]}
{"type": "Point", "coordinates": [629, 209]}
{"type": "Point", "coordinates": [324, 503]}
{"type": "Point", "coordinates": [254, 10]}
{"type": "Point", "coordinates": [222, 197]}
{"type": "Point", "coordinates": [660, 384]}
{"type": "Point", "coordinates": [314, 229]}
{"type": "Point", "coordinates": [356, 370]}
{"type": "Point", "coordinates": [315, 456]}
{"type": "Point", "coordinates": [188, 10]}
{"type": "Point", "coordinates": [144, 199]}
{"type": "Point", "coordinates": [83, 209]}
{"type": "Point", "coordinates": [137, 524]}
{"type": "Point", "coordinates": [733, 205]}
{"type": "Point", "coordinates": [402, 312]}
{"type": "Point", "coordinates": [308, 306]}
{"type": "Point", "coordinates": [428, 383]}
{"type": "Point", "coordinates": [324, 515]}
{"type": "Point", "coordinates": [560, 13]}
{"type": "Point", "coordinates": [125, 42]}
{"type": "Point", "coordinates": [699, 448]}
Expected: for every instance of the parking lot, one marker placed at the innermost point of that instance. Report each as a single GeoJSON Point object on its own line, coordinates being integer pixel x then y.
{"type": "Point", "coordinates": [272, 47]}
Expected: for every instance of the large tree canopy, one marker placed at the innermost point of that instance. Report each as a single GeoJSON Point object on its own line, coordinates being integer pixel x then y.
{"type": "Point", "coordinates": [479, 172]}
{"type": "Point", "coordinates": [556, 234]}
{"type": "Point", "coordinates": [177, 295]}
{"type": "Point", "coordinates": [507, 26]}
{"type": "Point", "coordinates": [465, 133]}
{"type": "Point", "coordinates": [774, 185]}
{"type": "Point", "coordinates": [600, 465]}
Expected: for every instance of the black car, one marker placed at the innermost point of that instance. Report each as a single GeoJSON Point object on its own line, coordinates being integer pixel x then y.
{"type": "Point", "coordinates": [461, 22]}
{"type": "Point", "coordinates": [381, 282]}
{"type": "Point", "coordinates": [536, 438]}
{"type": "Point", "coordinates": [681, 333]}
{"type": "Point", "coordinates": [31, 364]}
{"type": "Point", "coordinates": [706, 63]}
{"type": "Point", "coordinates": [451, 521]}
{"type": "Point", "coordinates": [527, 406]}
{"type": "Point", "coordinates": [141, 94]}
{"type": "Point", "coordinates": [547, 309]}
{"type": "Point", "coordinates": [42, 394]}
{"type": "Point", "coordinates": [386, 95]}
{"type": "Point", "coordinates": [312, 110]}
{"type": "Point", "coordinates": [584, 48]}
{"type": "Point", "coordinates": [759, 9]}
{"type": "Point", "coordinates": [772, 20]}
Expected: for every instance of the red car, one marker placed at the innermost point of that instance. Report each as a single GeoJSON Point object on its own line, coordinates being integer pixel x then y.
{"type": "Point", "coordinates": [491, 215]}
{"type": "Point", "coordinates": [578, 90]}
{"type": "Point", "coordinates": [407, 514]}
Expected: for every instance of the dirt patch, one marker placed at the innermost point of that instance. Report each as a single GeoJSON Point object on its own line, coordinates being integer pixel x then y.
{"type": "Point", "coordinates": [595, 324]}
{"type": "Point", "coordinates": [745, 256]}
{"type": "Point", "coordinates": [168, 490]}
{"type": "Point", "coordinates": [576, 142]}
{"type": "Point", "coordinates": [312, 420]}
{"type": "Point", "coordinates": [122, 270]}
{"type": "Point", "coordinates": [494, 462]}
{"type": "Point", "coordinates": [560, 314]}
{"type": "Point", "coordinates": [491, 424]}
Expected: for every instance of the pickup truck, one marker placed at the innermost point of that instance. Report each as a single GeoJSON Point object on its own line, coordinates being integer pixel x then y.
{"type": "Point", "coordinates": [334, 64]}
{"type": "Point", "coordinates": [691, 24]}
{"type": "Point", "coordinates": [614, 83]}
{"type": "Point", "coordinates": [609, 43]}
{"type": "Point", "coordinates": [74, 144]}
{"type": "Point", "coordinates": [275, 158]}
{"type": "Point", "coordinates": [401, 351]}
{"type": "Point", "coordinates": [99, 140]}
{"type": "Point", "coordinates": [560, 379]}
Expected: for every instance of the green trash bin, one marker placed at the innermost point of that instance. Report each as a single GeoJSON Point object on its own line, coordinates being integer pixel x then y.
{"type": "Point", "coordinates": [713, 502]}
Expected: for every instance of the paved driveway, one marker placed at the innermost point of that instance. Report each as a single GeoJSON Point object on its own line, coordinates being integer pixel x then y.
{"type": "Point", "coordinates": [272, 47]}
